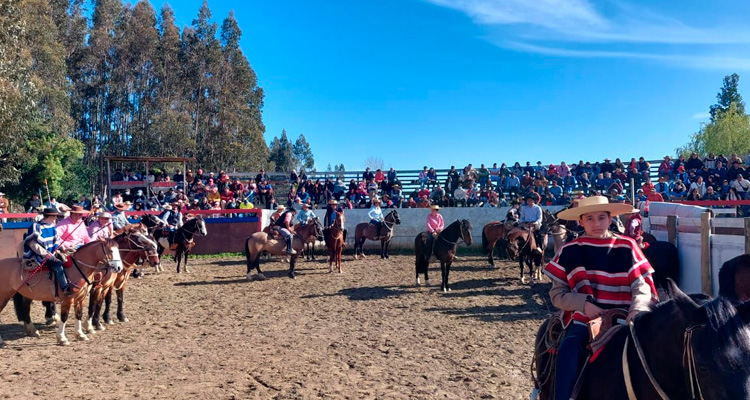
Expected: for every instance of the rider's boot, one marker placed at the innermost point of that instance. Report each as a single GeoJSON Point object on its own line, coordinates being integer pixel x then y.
{"type": "Point", "coordinates": [67, 288]}
{"type": "Point", "coordinates": [289, 249]}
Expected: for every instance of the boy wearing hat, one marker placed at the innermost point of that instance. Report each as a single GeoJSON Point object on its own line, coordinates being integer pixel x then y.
{"type": "Point", "coordinates": [102, 227]}
{"type": "Point", "coordinates": [306, 215]}
{"type": "Point", "coordinates": [40, 245]}
{"type": "Point", "coordinates": [621, 278]}
{"type": "Point", "coordinates": [331, 210]}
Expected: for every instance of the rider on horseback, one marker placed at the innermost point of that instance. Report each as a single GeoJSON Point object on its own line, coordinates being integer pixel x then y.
{"type": "Point", "coordinates": [171, 216]}
{"type": "Point", "coordinates": [41, 245]}
{"type": "Point", "coordinates": [331, 211]}
{"type": "Point", "coordinates": [306, 215]}
{"type": "Point", "coordinates": [283, 225]}
{"type": "Point", "coordinates": [597, 271]}
{"type": "Point", "coordinates": [531, 217]}
{"type": "Point", "coordinates": [376, 216]}
{"type": "Point", "coordinates": [435, 223]}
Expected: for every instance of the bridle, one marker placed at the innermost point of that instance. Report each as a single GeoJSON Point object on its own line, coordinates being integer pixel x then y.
{"type": "Point", "coordinates": [461, 235]}
{"type": "Point", "coordinates": [385, 221]}
{"type": "Point", "coordinates": [688, 359]}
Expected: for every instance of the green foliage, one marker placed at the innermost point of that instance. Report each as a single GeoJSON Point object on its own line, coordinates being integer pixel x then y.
{"type": "Point", "coordinates": [303, 156]}
{"type": "Point", "coordinates": [281, 153]}
{"type": "Point", "coordinates": [728, 133]}
{"type": "Point", "coordinates": [728, 94]}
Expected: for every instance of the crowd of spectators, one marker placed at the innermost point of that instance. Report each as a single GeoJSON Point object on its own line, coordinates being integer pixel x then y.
{"type": "Point", "coordinates": [696, 178]}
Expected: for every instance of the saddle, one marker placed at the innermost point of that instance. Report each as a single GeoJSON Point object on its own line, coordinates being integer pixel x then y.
{"type": "Point", "coordinates": [603, 328]}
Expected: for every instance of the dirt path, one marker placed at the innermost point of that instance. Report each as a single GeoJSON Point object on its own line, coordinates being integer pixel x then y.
{"type": "Point", "coordinates": [366, 334]}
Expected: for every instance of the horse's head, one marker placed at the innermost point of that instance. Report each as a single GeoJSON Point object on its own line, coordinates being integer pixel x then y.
{"type": "Point", "coordinates": [198, 226]}
{"type": "Point", "coordinates": [139, 239]}
{"type": "Point", "coordinates": [152, 221]}
{"type": "Point", "coordinates": [466, 232]}
{"type": "Point", "coordinates": [100, 252]}
{"type": "Point", "coordinates": [516, 241]}
{"type": "Point", "coordinates": [394, 217]}
{"type": "Point", "coordinates": [713, 337]}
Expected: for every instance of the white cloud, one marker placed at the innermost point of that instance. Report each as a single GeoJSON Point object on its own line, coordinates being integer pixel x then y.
{"type": "Point", "coordinates": [701, 115]}
{"type": "Point", "coordinates": [578, 20]}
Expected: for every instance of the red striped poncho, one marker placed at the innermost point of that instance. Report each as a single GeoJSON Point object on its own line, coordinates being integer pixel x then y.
{"type": "Point", "coordinates": [605, 268]}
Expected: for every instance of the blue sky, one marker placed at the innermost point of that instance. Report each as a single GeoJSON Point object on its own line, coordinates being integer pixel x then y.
{"type": "Point", "coordinates": [441, 82]}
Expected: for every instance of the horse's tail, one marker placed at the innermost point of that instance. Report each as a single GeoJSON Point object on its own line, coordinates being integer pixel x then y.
{"type": "Point", "coordinates": [248, 254]}
{"type": "Point", "coordinates": [22, 312]}
{"type": "Point", "coordinates": [485, 241]}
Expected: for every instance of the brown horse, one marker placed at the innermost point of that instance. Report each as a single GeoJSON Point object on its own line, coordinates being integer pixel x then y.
{"type": "Point", "coordinates": [491, 233]}
{"type": "Point", "coordinates": [135, 244]}
{"type": "Point", "coordinates": [261, 241]}
{"type": "Point", "coordinates": [522, 247]}
{"type": "Point", "coordinates": [366, 230]}
{"type": "Point", "coordinates": [96, 257]}
{"type": "Point", "coordinates": [335, 241]}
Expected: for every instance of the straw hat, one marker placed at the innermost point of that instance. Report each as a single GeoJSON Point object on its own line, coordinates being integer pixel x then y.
{"type": "Point", "coordinates": [333, 202]}
{"type": "Point", "coordinates": [281, 207]}
{"type": "Point", "coordinates": [595, 204]}
{"type": "Point", "coordinates": [122, 206]}
{"type": "Point", "coordinates": [435, 207]}
{"type": "Point", "coordinates": [166, 207]}
{"type": "Point", "coordinates": [105, 215]}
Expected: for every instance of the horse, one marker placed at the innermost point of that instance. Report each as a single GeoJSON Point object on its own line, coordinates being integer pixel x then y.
{"type": "Point", "coordinates": [491, 233]}
{"type": "Point", "coordinates": [260, 241]}
{"type": "Point", "coordinates": [677, 350]}
{"type": "Point", "coordinates": [734, 279]}
{"type": "Point", "coordinates": [334, 238]}
{"type": "Point", "coordinates": [95, 257]}
{"type": "Point", "coordinates": [663, 257]}
{"type": "Point", "coordinates": [366, 230]}
{"type": "Point", "coordinates": [134, 244]}
{"type": "Point", "coordinates": [522, 247]}
{"type": "Point", "coordinates": [182, 237]}
{"type": "Point", "coordinates": [443, 247]}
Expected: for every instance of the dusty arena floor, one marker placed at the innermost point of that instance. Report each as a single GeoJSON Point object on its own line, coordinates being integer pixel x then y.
{"type": "Point", "coordinates": [368, 333]}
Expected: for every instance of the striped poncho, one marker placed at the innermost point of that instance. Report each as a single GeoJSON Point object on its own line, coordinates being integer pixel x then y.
{"type": "Point", "coordinates": [607, 269]}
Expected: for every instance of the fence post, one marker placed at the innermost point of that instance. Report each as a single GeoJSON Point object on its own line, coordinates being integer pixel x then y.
{"type": "Point", "coordinates": [706, 278]}
{"type": "Point", "coordinates": [747, 235]}
{"type": "Point", "coordinates": [672, 229]}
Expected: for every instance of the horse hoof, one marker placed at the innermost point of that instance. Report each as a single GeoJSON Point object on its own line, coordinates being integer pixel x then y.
{"type": "Point", "coordinates": [82, 337]}
{"type": "Point", "coordinates": [523, 281]}
{"type": "Point", "coordinates": [249, 277]}
{"type": "Point", "coordinates": [418, 283]}
{"type": "Point", "coordinates": [63, 342]}
{"type": "Point", "coordinates": [49, 321]}
{"type": "Point", "coordinates": [260, 277]}
{"type": "Point", "coordinates": [124, 319]}
{"type": "Point", "coordinates": [427, 283]}
{"type": "Point", "coordinates": [110, 322]}
{"type": "Point", "coordinates": [35, 334]}
{"type": "Point", "coordinates": [291, 275]}
{"type": "Point", "coordinates": [100, 327]}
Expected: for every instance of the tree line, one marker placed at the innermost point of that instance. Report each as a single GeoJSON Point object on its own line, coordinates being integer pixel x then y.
{"type": "Point", "coordinates": [124, 80]}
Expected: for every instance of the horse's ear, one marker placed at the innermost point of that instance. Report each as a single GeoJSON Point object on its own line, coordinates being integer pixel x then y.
{"type": "Point", "coordinates": [675, 293]}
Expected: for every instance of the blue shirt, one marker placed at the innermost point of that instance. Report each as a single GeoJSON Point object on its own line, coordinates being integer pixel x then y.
{"type": "Point", "coordinates": [531, 213]}
{"type": "Point", "coordinates": [375, 213]}
{"type": "Point", "coordinates": [305, 217]}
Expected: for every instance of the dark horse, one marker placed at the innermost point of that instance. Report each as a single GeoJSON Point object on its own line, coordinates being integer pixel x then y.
{"type": "Point", "coordinates": [182, 237]}
{"type": "Point", "coordinates": [491, 233]}
{"type": "Point", "coordinates": [443, 248]}
{"type": "Point", "coordinates": [366, 230]}
{"type": "Point", "coordinates": [687, 350]}
{"type": "Point", "coordinates": [665, 259]}
{"type": "Point", "coordinates": [522, 247]}
{"type": "Point", "coordinates": [734, 278]}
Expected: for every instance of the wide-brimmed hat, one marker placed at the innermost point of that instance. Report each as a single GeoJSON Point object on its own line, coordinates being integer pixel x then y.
{"type": "Point", "coordinates": [595, 204]}
{"type": "Point", "coordinates": [515, 201]}
{"type": "Point", "coordinates": [105, 215]}
{"type": "Point", "coordinates": [166, 207]}
{"type": "Point", "coordinates": [78, 210]}
{"type": "Point", "coordinates": [305, 205]}
{"type": "Point", "coordinates": [529, 196]}
{"type": "Point", "coordinates": [333, 202]}
{"type": "Point", "coordinates": [122, 206]}
{"type": "Point", "coordinates": [435, 207]}
{"type": "Point", "coordinates": [50, 211]}
{"type": "Point", "coordinates": [281, 207]}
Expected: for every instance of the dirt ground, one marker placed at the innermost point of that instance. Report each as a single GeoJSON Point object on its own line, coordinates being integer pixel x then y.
{"type": "Point", "coordinates": [368, 333]}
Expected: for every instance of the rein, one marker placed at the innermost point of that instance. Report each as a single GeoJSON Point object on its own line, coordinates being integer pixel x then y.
{"type": "Point", "coordinates": [688, 358]}
{"type": "Point", "coordinates": [94, 267]}
{"type": "Point", "coordinates": [644, 364]}
{"type": "Point", "coordinates": [460, 236]}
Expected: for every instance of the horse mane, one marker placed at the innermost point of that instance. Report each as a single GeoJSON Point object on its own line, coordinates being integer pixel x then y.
{"type": "Point", "coordinates": [725, 326]}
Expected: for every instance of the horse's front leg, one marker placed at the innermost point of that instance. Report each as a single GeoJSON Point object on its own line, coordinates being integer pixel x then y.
{"type": "Point", "coordinates": [387, 248]}
{"type": "Point", "coordinates": [94, 297]}
{"type": "Point", "coordinates": [62, 340]}
{"type": "Point", "coordinates": [382, 249]}
{"type": "Point", "coordinates": [107, 303]}
{"type": "Point", "coordinates": [185, 255]}
{"type": "Point", "coordinates": [331, 258]}
{"type": "Point", "coordinates": [80, 334]}
{"type": "Point", "coordinates": [520, 266]}
{"type": "Point", "coordinates": [120, 309]}
{"type": "Point", "coordinates": [160, 250]}
{"type": "Point", "coordinates": [443, 276]}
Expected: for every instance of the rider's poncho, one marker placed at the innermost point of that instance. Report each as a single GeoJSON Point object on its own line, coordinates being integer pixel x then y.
{"type": "Point", "coordinates": [605, 268]}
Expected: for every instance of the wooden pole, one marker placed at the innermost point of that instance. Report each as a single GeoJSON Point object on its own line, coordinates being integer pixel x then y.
{"type": "Point", "coordinates": [672, 229]}
{"type": "Point", "coordinates": [747, 235]}
{"type": "Point", "coordinates": [706, 278]}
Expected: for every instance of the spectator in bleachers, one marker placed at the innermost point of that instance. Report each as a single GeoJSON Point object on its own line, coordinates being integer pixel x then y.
{"type": "Point", "coordinates": [453, 180]}
{"type": "Point", "coordinates": [368, 175]}
{"type": "Point", "coordinates": [261, 177]}
{"type": "Point", "coordinates": [741, 186]}
{"type": "Point", "coordinates": [710, 161]}
{"type": "Point", "coordinates": [265, 191]}
{"type": "Point", "coordinates": [555, 190]}
{"type": "Point", "coordinates": [564, 200]}
{"type": "Point", "coordinates": [665, 168]}
{"type": "Point", "coordinates": [293, 179]}
{"type": "Point", "coordinates": [527, 181]}
{"type": "Point", "coordinates": [719, 172]}
{"type": "Point", "coordinates": [512, 184]}
{"type": "Point", "coordinates": [694, 195]}
{"type": "Point", "coordinates": [303, 196]}
{"type": "Point", "coordinates": [711, 194]}
{"type": "Point", "coordinates": [693, 162]}
{"type": "Point", "coordinates": [606, 166]}
{"type": "Point", "coordinates": [396, 195]}
{"type": "Point", "coordinates": [392, 176]}
{"type": "Point", "coordinates": [483, 175]}
{"type": "Point", "coordinates": [681, 174]}
{"type": "Point", "coordinates": [663, 187]}
{"type": "Point", "coordinates": [735, 170]}
{"type": "Point", "coordinates": [678, 189]}
{"type": "Point", "coordinates": [724, 188]}
{"type": "Point", "coordinates": [700, 185]}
